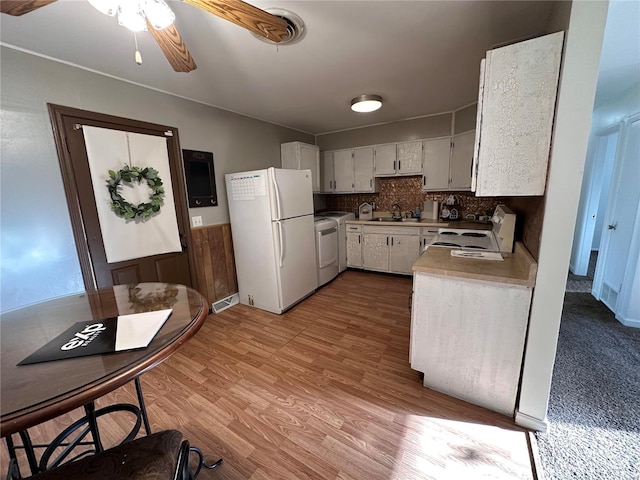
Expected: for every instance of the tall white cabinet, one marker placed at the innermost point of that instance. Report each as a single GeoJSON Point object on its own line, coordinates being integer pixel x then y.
{"type": "Point", "coordinates": [516, 106]}
{"type": "Point", "coordinates": [302, 156]}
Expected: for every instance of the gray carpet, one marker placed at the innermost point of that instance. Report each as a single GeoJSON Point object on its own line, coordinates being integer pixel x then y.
{"type": "Point", "coordinates": [579, 283]}
{"type": "Point", "coordinates": [594, 407]}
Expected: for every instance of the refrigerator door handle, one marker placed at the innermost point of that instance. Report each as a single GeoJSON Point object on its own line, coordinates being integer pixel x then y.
{"type": "Point", "coordinates": [280, 242]}
{"type": "Point", "coordinates": [277, 190]}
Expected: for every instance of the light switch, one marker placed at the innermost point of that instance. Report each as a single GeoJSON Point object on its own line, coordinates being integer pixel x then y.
{"type": "Point", "coordinates": [196, 221]}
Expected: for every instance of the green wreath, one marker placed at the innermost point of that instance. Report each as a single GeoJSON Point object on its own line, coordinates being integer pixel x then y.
{"type": "Point", "coordinates": [143, 211]}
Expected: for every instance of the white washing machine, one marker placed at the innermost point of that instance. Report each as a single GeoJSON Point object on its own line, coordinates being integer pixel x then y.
{"type": "Point", "coordinates": [341, 218]}
{"type": "Point", "coordinates": [326, 249]}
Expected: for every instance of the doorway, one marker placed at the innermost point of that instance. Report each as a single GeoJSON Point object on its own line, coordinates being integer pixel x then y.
{"type": "Point", "coordinates": [97, 270]}
{"type": "Point", "coordinates": [612, 278]}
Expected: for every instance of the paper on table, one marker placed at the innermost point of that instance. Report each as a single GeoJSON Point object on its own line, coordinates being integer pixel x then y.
{"type": "Point", "coordinates": [138, 329]}
{"type": "Point", "coordinates": [478, 255]}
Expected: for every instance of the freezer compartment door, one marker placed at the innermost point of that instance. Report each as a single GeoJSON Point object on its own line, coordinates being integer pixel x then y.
{"type": "Point", "coordinates": [291, 193]}
{"type": "Point", "coordinates": [295, 259]}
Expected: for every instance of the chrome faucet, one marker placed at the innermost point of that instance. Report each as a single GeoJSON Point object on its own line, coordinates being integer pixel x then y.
{"type": "Point", "coordinates": [396, 211]}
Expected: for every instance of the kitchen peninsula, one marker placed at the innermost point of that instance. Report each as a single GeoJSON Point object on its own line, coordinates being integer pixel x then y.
{"type": "Point", "coordinates": [468, 324]}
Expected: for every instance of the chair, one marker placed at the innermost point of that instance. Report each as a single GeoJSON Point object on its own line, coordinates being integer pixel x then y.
{"type": "Point", "coordinates": [159, 456]}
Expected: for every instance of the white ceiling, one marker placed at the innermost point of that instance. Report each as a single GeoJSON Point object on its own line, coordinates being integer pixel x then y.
{"type": "Point", "coordinates": [422, 57]}
{"type": "Point", "coordinates": [620, 58]}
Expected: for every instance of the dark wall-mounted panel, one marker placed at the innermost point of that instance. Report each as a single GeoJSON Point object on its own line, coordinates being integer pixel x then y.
{"type": "Point", "coordinates": [200, 177]}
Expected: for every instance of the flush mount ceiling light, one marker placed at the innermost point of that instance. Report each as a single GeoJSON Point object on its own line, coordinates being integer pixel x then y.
{"type": "Point", "coordinates": [366, 103]}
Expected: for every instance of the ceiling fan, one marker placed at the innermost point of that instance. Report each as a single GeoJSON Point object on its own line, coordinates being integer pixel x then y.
{"type": "Point", "coordinates": [272, 27]}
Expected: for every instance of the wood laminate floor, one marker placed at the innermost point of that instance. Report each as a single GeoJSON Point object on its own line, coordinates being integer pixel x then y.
{"type": "Point", "coordinates": [323, 391]}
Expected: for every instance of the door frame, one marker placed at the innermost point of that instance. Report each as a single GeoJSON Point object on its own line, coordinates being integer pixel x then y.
{"type": "Point", "coordinates": [620, 158]}
{"type": "Point", "coordinates": [57, 114]}
{"type": "Point", "coordinates": [592, 188]}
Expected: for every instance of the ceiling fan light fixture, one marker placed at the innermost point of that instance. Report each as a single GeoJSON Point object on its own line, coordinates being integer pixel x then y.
{"type": "Point", "coordinates": [130, 15]}
{"type": "Point", "coordinates": [158, 13]}
{"type": "Point", "coordinates": [366, 103]}
{"type": "Point", "coordinates": [108, 7]}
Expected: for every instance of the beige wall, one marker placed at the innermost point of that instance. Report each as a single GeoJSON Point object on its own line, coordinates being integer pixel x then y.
{"type": "Point", "coordinates": [424, 127]}
{"type": "Point", "coordinates": [585, 22]}
{"type": "Point", "coordinates": [39, 259]}
{"type": "Point", "coordinates": [465, 119]}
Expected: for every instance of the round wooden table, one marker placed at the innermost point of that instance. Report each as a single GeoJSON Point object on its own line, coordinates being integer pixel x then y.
{"type": "Point", "coordinates": [32, 394]}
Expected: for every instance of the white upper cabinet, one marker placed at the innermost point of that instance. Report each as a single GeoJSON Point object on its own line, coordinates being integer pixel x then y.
{"type": "Point", "coordinates": [385, 159]}
{"type": "Point", "coordinates": [343, 171]}
{"type": "Point", "coordinates": [394, 159]}
{"type": "Point", "coordinates": [327, 175]}
{"type": "Point", "coordinates": [410, 158]}
{"type": "Point", "coordinates": [461, 161]}
{"type": "Point", "coordinates": [363, 170]}
{"type": "Point", "coordinates": [302, 156]}
{"type": "Point", "coordinates": [435, 172]}
{"type": "Point", "coordinates": [349, 170]}
{"type": "Point", "coordinates": [516, 105]}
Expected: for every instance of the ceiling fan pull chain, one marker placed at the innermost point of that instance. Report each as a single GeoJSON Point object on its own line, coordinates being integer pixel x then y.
{"type": "Point", "coordinates": [137, 57]}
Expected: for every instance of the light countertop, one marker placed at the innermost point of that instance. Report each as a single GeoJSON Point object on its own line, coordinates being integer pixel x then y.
{"type": "Point", "coordinates": [518, 269]}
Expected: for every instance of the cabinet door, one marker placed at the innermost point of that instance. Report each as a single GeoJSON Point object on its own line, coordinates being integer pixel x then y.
{"type": "Point", "coordinates": [520, 86]}
{"type": "Point", "coordinates": [385, 160]}
{"type": "Point", "coordinates": [375, 251]}
{"type": "Point", "coordinates": [461, 161]}
{"type": "Point", "coordinates": [435, 171]}
{"type": "Point", "coordinates": [403, 253]}
{"type": "Point", "coordinates": [410, 158]}
{"type": "Point", "coordinates": [354, 250]}
{"type": "Point", "coordinates": [327, 175]}
{"type": "Point", "coordinates": [363, 169]}
{"type": "Point", "coordinates": [343, 170]}
{"type": "Point", "coordinates": [310, 160]}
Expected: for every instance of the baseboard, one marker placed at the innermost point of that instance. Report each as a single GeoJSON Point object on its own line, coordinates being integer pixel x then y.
{"type": "Point", "coordinates": [531, 423]}
{"type": "Point", "coordinates": [628, 322]}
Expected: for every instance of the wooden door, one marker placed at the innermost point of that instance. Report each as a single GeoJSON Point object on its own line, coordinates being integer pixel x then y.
{"type": "Point", "coordinates": [72, 153]}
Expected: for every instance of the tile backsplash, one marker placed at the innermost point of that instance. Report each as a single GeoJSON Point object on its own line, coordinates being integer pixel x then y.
{"type": "Point", "coordinates": [406, 191]}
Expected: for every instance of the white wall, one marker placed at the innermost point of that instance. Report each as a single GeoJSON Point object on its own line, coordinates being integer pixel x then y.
{"type": "Point", "coordinates": [583, 42]}
{"type": "Point", "coordinates": [38, 258]}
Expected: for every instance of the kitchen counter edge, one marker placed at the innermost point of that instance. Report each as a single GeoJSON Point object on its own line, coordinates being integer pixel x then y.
{"type": "Point", "coordinates": [517, 269]}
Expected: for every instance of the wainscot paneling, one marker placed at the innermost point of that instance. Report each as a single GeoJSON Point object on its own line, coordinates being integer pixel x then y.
{"type": "Point", "coordinates": [215, 264]}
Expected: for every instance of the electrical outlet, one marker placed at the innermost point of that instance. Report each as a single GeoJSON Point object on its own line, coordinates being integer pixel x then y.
{"type": "Point", "coordinates": [196, 221]}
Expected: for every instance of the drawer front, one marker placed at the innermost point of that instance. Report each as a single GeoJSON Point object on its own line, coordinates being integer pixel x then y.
{"type": "Point", "coordinates": [354, 228]}
{"type": "Point", "coordinates": [386, 230]}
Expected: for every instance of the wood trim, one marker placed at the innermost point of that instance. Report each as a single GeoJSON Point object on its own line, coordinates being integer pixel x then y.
{"type": "Point", "coordinates": [58, 113]}
{"type": "Point", "coordinates": [215, 265]}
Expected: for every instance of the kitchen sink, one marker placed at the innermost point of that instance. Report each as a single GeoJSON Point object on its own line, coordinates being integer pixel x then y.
{"type": "Point", "coordinates": [391, 219]}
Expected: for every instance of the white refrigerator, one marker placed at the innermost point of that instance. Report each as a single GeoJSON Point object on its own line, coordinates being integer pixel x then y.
{"type": "Point", "coordinates": [271, 215]}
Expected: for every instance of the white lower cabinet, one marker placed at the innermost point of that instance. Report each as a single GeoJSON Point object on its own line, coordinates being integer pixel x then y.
{"type": "Point", "coordinates": [404, 251]}
{"type": "Point", "coordinates": [467, 337]}
{"type": "Point", "coordinates": [375, 251]}
{"type": "Point", "coordinates": [354, 246]}
{"type": "Point", "coordinates": [390, 249]}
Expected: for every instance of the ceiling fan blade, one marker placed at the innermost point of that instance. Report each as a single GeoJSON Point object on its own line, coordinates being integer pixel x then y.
{"type": "Point", "coordinates": [17, 8]}
{"type": "Point", "coordinates": [252, 18]}
{"type": "Point", "coordinates": [173, 47]}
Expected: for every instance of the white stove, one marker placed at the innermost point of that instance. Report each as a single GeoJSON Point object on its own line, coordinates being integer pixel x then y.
{"type": "Point", "coordinates": [498, 239]}
{"type": "Point", "coordinates": [466, 239]}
